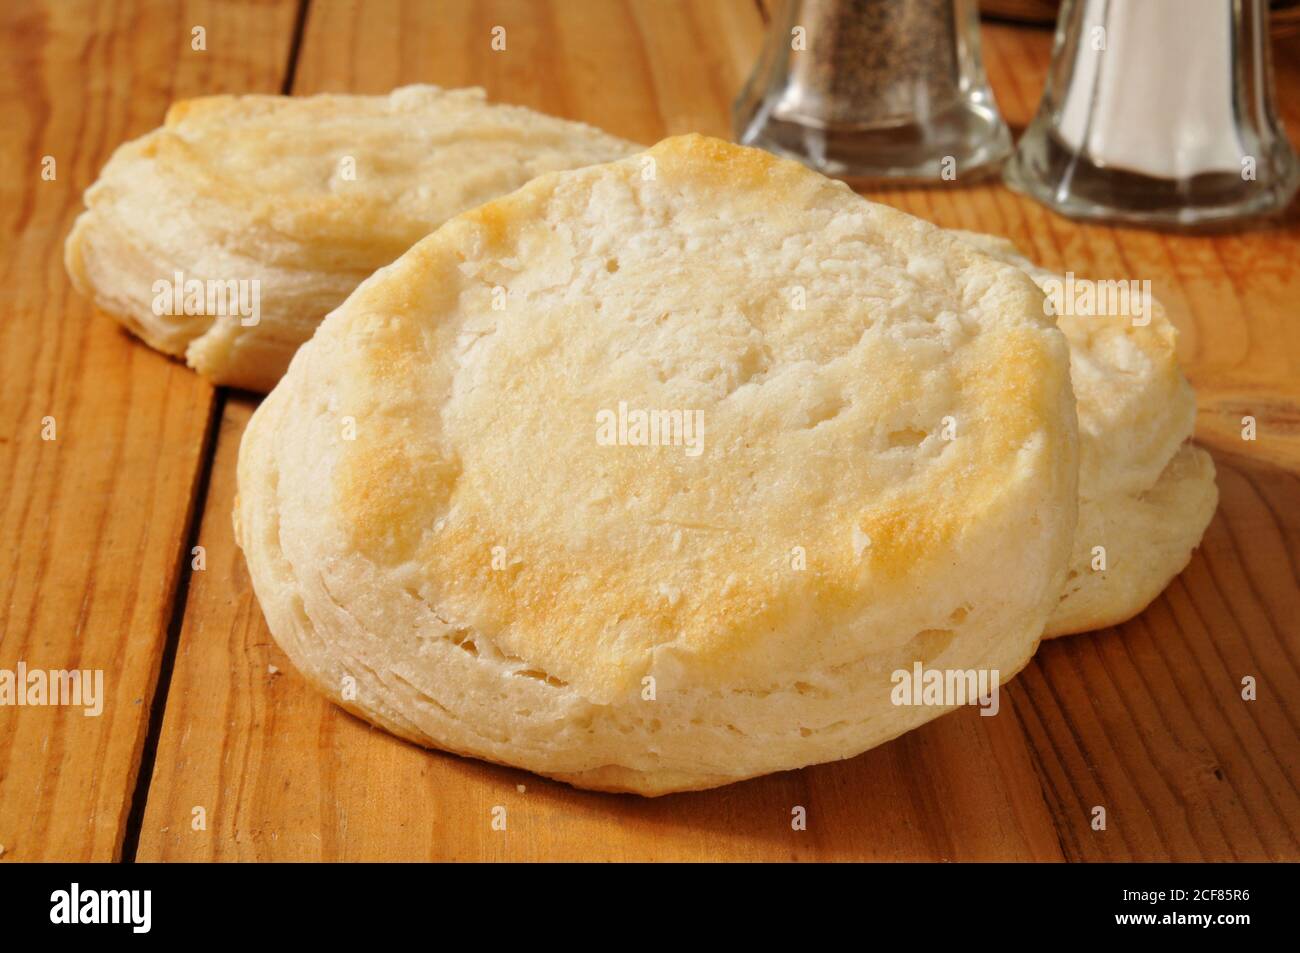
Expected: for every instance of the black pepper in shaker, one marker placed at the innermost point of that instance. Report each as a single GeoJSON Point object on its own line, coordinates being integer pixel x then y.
{"type": "Point", "coordinates": [875, 89]}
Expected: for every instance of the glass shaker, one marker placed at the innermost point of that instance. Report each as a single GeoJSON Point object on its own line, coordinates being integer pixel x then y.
{"type": "Point", "coordinates": [1158, 113]}
{"type": "Point", "coordinates": [889, 89]}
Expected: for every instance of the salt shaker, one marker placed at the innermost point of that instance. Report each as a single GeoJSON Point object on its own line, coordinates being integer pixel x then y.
{"type": "Point", "coordinates": [1158, 113]}
{"type": "Point", "coordinates": [889, 89]}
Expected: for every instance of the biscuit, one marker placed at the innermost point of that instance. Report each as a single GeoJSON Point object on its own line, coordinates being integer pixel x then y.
{"type": "Point", "coordinates": [306, 197]}
{"type": "Point", "coordinates": [1146, 495]}
{"type": "Point", "coordinates": [459, 526]}
{"type": "Point", "coordinates": [1148, 537]}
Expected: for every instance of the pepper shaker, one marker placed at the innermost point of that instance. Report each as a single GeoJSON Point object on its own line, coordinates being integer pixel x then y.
{"type": "Point", "coordinates": [1158, 113]}
{"type": "Point", "coordinates": [890, 89]}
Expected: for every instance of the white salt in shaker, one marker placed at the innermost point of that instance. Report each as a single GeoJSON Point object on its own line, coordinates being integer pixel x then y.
{"type": "Point", "coordinates": [1158, 112]}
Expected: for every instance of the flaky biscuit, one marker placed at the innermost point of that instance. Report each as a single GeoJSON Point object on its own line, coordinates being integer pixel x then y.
{"type": "Point", "coordinates": [441, 539]}
{"type": "Point", "coordinates": [1148, 538]}
{"type": "Point", "coordinates": [305, 195]}
{"type": "Point", "coordinates": [1145, 494]}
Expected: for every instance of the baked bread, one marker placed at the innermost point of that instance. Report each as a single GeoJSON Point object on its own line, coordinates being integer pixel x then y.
{"type": "Point", "coordinates": [1148, 537]}
{"type": "Point", "coordinates": [451, 535]}
{"type": "Point", "coordinates": [306, 196]}
{"type": "Point", "coordinates": [1146, 494]}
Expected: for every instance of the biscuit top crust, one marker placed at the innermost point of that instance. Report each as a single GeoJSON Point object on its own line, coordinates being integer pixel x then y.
{"type": "Point", "coordinates": [877, 399]}
{"type": "Point", "coordinates": [345, 182]}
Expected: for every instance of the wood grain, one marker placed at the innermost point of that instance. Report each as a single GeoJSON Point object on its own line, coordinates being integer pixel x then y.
{"type": "Point", "coordinates": [620, 65]}
{"type": "Point", "coordinates": [1145, 720]}
{"type": "Point", "coordinates": [93, 522]}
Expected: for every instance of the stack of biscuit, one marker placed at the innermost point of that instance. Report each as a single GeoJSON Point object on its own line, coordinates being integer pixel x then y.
{"type": "Point", "coordinates": [647, 471]}
{"type": "Point", "coordinates": [1146, 492]}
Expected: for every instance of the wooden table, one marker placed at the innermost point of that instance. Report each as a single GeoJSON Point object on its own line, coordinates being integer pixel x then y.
{"type": "Point", "coordinates": [203, 711]}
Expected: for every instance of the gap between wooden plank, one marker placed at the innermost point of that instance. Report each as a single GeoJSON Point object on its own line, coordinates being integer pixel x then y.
{"type": "Point", "coordinates": [295, 45]}
{"type": "Point", "coordinates": [194, 524]}
{"type": "Point", "coordinates": [184, 572]}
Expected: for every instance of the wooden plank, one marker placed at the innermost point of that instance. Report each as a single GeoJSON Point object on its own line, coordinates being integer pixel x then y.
{"type": "Point", "coordinates": [1145, 720]}
{"type": "Point", "coordinates": [92, 523]}
{"type": "Point", "coordinates": [561, 56]}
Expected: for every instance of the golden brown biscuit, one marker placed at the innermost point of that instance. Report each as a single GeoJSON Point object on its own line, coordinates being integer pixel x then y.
{"type": "Point", "coordinates": [458, 525]}
{"type": "Point", "coordinates": [262, 213]}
